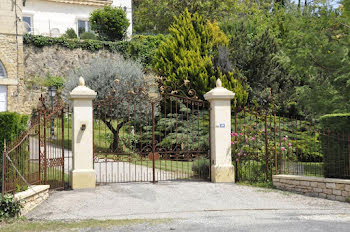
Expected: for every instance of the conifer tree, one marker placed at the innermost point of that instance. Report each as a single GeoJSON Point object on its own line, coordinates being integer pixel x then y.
{"type": "Point", "coordinates": [187, 55]}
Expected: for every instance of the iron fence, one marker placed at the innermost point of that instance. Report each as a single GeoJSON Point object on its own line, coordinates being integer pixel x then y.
{"type": "Point", "coordinates": [39, 154]}
{"type": "Point", "coordinates": [266, 143]}
{"type": "Point", "coordinates": [165, 138]}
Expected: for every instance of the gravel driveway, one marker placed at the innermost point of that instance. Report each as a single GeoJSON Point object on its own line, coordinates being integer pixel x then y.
{"type": "Point", "coordinates": [197, 206]}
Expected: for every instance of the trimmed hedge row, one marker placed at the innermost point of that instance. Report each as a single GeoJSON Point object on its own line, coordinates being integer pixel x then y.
{"type": "Point", "coordinates": [335, 143]}
{"type": "Point", "coordinates": [141, 47]}
{"type": "Point", "coordinates": [11, 126]}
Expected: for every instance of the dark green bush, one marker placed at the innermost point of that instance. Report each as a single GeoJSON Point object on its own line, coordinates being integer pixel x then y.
{"type": "Point", "coordinates": [252, 171]}
{"type": "Point", "coordinates": [87, 35]}
{"type": "Point", "coordinates": [201, 168]}
{"type": "Point", "coordinates": [70, 33]}
{"type": "Point", "coordinates": [110, 23]}
{"type": "Point", "coordinates": [11, 126]}
{"type": "Point", "coordinates": [335, 146]}
{"type": "Point", "coordinates": [9, 208]}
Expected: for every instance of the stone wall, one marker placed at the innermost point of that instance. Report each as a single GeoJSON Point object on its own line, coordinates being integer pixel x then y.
{"type": "Point", "coordinates": [32, 197]}
{"type": "Point", "coordinates": [332, 189]}
{"type": "Point", "coordinates": [53, 60]}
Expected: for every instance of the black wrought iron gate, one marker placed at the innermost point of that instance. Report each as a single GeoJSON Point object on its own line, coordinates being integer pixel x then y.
{"type": "Point", "coordinates": [164, 137]}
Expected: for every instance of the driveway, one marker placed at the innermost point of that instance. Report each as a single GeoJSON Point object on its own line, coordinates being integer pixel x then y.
{"type": "Point", "coordinates": [197, 206]}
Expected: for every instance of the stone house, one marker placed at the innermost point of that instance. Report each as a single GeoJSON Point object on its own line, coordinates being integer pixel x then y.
{"type": "Point", "coordinates": [44, 17]}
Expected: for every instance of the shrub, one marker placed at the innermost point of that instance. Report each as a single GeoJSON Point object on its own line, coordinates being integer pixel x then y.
{"type": "Point", "coordinates": [10, 208]}
{"type": "Point", "coordinates": [186, 55]}
{"type": "Point", "coordinates": [335, 146]}
{"type": "Point", "coordinates": [70, 33]}
{"type": "Point", "coordinates": [87, 35]}
{"type": "Point", "coordinates": [56, 81]}
{"type": "Point", "coordinates": [110, 23]}
{"type": "Point", "coordinates": [201, 167]}
{"type": "Point", "coordinates": [11, 125]}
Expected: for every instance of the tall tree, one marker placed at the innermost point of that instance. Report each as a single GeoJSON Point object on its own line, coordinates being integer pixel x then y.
{"type": "Point", "coordinates": [156, 16]}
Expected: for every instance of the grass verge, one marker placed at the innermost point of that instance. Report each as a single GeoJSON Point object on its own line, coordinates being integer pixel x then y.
{"type": "Point", "coordinates": [24, 225]}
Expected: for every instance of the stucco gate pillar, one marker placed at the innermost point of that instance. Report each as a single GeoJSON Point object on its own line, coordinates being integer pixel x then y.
{"type": "Point", "coordinates": [220, 98]}
{"type": "Point", "coordinates": [83, 174]}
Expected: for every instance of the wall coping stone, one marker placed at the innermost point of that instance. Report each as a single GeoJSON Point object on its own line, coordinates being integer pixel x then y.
{"type": "Point", "coordinates": [311, 178]}
{"type": "Point", "coordinates": [32, 190]}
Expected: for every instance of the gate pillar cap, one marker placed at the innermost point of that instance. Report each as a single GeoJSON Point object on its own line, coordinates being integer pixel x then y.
{"type": "Point", "coordinates": [82, 91]}
{"type": "Point", "coordinates": [219, 93]}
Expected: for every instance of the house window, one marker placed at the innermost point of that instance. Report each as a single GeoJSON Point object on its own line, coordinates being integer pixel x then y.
{"type": "Point", "coordinates": [83, 26]}
{"type": "Point", "coordinates": [3, 89]}
{"type": "Point", "coordinates": [28, 23]}
{"type": "Point", "coordinates": [2, 71]}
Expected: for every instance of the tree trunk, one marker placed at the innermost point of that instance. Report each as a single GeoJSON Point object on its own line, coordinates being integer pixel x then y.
{"type": "Point", "coordinates": [113, 147]}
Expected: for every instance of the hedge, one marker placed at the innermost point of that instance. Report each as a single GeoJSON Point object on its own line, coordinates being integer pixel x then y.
{"type": "Point", "coordinates": [335, 141]}
{"type": "Point", "coordinates": [11, 126]}
{"type": "Point", "coordinates": [141, 47]}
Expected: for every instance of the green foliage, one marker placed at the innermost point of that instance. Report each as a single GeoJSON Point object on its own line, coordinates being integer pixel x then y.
{"type": "Point", "coordinates": [38, 82]}
{"type": "Point", "coordinates": [336, 122]}
{"type": "Point", "coordinates": [201, 167]}
{"type": "Point", "coordinates": [110, 23]}
{"type": "Point", "coordinates": [256, 59]}
{"type": "Point", "coordinates": [186, 56]}
{"type": "Point", "coordinates": [188, 129]}
{"type": "Point", "coordinates": [335, 145]}
{"type": "Point", "coordinates": [141, 48]}
{"type": "Point", "coordinates": [56, 81]}
{"type": "Point", "coordinates": [70, 33]}
{"type": "Point", "coordinates": [155, 16]}
{"type": "Point", "coordinates": [116, 78]}
{"type": "Point", "coordinates": [144, 47]}
{"type": "Point", "coordinates": [87, 35]}
{"type": "Point", "coordinates": [9, 207]}
{"type": "Point", "coordinates": [315, 43]}
{"type": "Point", "coordinates": [11, 126]}
{"type": "Point", "coordinates": [297, 144]}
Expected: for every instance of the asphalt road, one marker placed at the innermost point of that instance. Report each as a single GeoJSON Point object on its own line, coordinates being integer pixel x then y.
{"type": "Point", "coordinates": [196, 206]}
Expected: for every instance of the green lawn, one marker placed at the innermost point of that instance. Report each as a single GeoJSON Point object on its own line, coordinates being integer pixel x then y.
{"type": "Point", "coordinates": [164, 165]}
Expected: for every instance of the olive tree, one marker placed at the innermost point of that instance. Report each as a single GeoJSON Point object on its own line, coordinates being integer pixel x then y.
{"type": "Point", "coordinates": [124, 92]}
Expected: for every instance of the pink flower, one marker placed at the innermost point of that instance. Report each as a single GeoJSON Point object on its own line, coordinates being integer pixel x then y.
{"type": "Point", "coordinates": [283, 148]}
{"type": "Point", "coordinates": [253, 138]}
{"type": "Point", "coordinates": [245, 154]}
{"type": "Point", "coordinates": [239, 154]}
{"type": "Point", "coordinates": [240, 134]}
{"type": "Point", "coordinates": [232, 142]}
{"type": "Point", "coordinates": [284, 138]}
{"type": "Point", "coordinates": [289, 144]}
{"type": "Point", "coordinates": [244, 125]}
{"type": "Point", "coordinates": [237, 160]}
